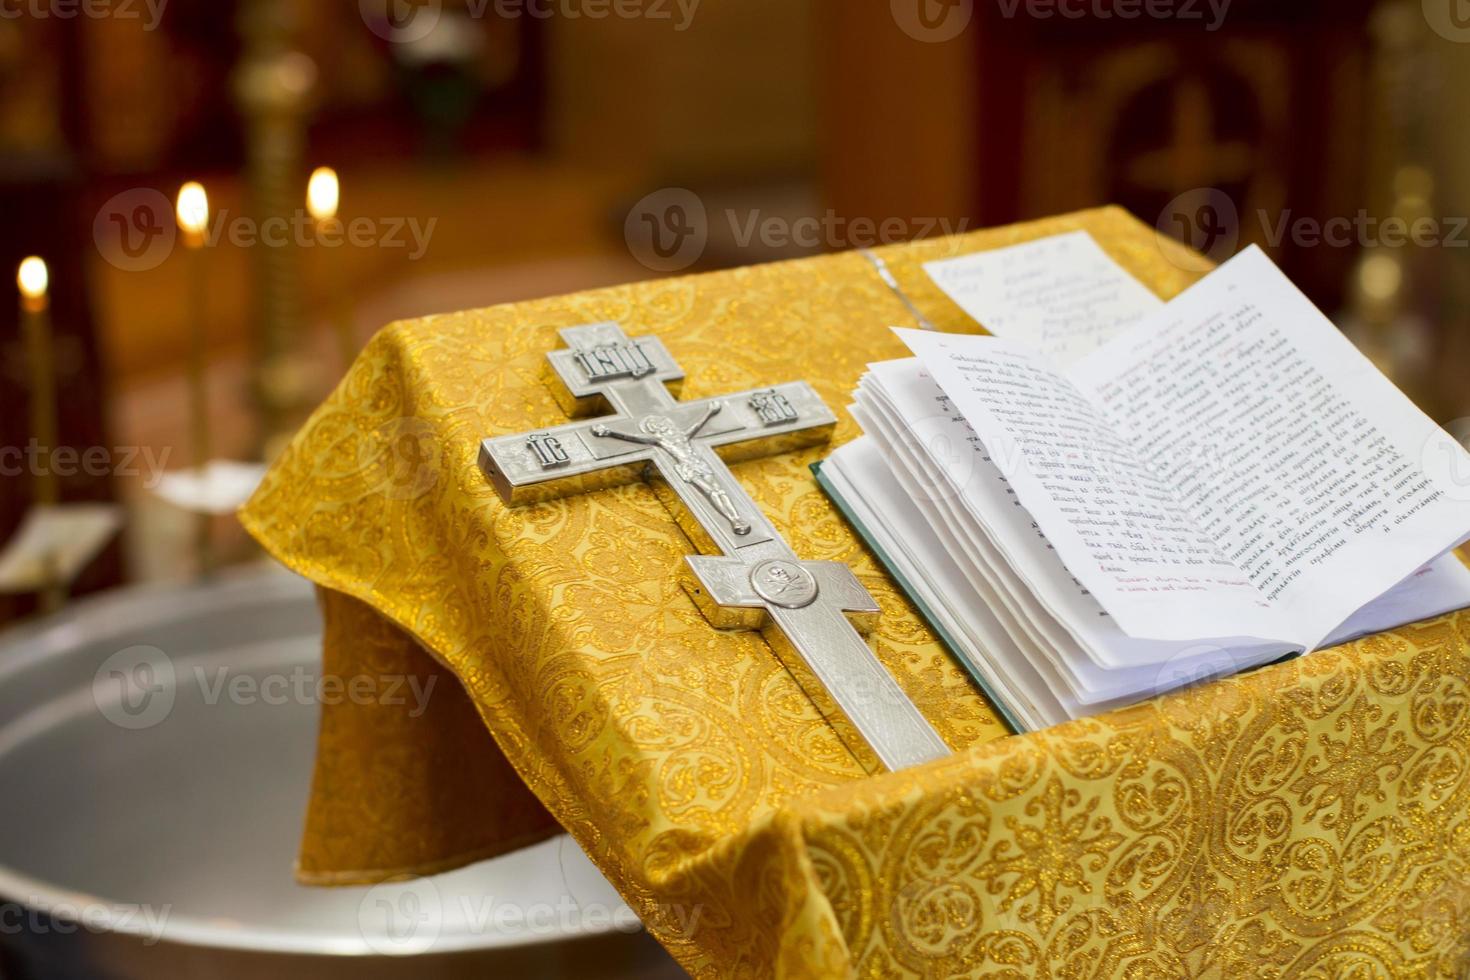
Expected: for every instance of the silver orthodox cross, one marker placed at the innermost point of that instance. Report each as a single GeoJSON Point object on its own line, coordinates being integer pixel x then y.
{"type": "Point", "coordinates": [812, 609]}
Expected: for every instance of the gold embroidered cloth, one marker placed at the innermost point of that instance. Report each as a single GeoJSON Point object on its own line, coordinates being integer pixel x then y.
{"type": "Point", "coordinates": [1308, 820]}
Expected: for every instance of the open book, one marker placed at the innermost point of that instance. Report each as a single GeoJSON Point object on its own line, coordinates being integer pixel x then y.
{"type": "Point", "coordinates": [1223, 483]}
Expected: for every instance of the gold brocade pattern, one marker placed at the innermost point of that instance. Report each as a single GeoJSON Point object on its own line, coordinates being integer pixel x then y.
{"type": "Point", "coordinates": [1309, 820]}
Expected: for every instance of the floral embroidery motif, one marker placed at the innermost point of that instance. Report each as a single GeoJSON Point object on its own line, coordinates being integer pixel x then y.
{"type": "Point", "coordinates": [1352, 770]}
{"type": "Point", "coordinates": [1057, 847]}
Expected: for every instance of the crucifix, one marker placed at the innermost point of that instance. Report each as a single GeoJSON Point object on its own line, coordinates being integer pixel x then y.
{"type": "Point", "coordinates": [746, 576]}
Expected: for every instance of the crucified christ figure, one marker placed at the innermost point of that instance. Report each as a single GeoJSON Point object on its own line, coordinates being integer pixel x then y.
{"type": "Point", "coordinates": [692, 467]}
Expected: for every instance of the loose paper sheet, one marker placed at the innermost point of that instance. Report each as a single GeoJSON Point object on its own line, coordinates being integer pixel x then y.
{"type": "Point", "coordinates": [54, 544]}
{"type": "Point", "coordinates": [1061, 295]}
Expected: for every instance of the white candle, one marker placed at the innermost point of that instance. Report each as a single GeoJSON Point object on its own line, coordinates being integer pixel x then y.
{"type": "Point", "coordinates": [192, 213]}
{"type": "Point", "coordinates": [34, 282]}
{"type": "Point", "coordinates": [34, 278]}
{"type": "Point", "coordinates": [323, 196]}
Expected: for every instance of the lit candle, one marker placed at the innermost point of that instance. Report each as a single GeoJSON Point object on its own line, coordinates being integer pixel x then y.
{"type": "Point", "coordinates": [192, 211]}
{"type": "Point", "coordinates": [323, 195]}
{"type": "Point", "coordinates": [33, 278]}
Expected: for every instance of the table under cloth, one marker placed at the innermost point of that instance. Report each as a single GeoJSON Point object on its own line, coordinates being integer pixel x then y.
{"type": "Point", "coordinates": [1306, 820]}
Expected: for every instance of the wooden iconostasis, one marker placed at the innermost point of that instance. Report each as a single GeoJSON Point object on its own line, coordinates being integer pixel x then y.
{"type": "Point", "coordinates": [1260, 126]}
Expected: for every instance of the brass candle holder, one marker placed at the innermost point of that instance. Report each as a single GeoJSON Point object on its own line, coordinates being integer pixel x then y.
{"type": "Point", "coordinates": [273, 86]}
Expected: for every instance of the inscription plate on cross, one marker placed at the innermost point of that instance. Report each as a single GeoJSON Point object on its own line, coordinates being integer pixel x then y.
{"type": "Point", "coordinates": [810, 611]}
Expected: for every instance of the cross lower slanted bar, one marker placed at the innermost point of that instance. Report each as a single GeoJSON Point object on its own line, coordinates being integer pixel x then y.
{"type": "Point", "coordinates": [810, 611]}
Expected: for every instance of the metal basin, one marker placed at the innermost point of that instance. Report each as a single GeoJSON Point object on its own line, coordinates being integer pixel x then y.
{"type": "Point", "coordinates": [148, 829]}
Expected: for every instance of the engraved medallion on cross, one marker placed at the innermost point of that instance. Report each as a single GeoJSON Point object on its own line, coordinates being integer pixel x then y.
{"type": "Point", "coordinates": [811, 611]}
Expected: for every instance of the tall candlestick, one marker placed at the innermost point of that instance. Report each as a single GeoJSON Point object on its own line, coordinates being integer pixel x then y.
{"type": "Point", "coordinates": [34, 279]}
{"type": "Point", "coordinates": [323, 195]}
{"type": "Point", "coordinates": [193, 218]}
{"type": "Point", "coordinates": [273, 86]}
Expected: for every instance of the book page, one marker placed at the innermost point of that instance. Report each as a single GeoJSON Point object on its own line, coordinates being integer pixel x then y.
{"type": "Point", "coordinates": [1061, 295]}
{"type": "Point", "coordinates": [963, 494]}
{"type": "Point", "coordinates": [875, 495]}
{"type": "Point", "coordinates": [1285, 445]}
{"type": "Point", "coordinates": [1116, 525]}
{"type": "Point", "coordinates": [922, 435]}
{"type": "Point", "coordinates": [1440, 587]}
{"type": "Point", "coordinates": [908, 410]}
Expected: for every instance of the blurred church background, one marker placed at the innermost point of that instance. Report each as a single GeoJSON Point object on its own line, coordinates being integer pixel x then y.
{"type": "Point", "coordinates": [521, 149]}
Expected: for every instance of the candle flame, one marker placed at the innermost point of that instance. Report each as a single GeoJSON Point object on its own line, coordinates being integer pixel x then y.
{"type": "Point", "coordinates": [323, 193]}
{"type": "Point", "coordinates": [1380, 277]}
{"type": "Point", "coordinates": [33, 278]}
{"type": "Point", "coordinates": [193, 208]}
